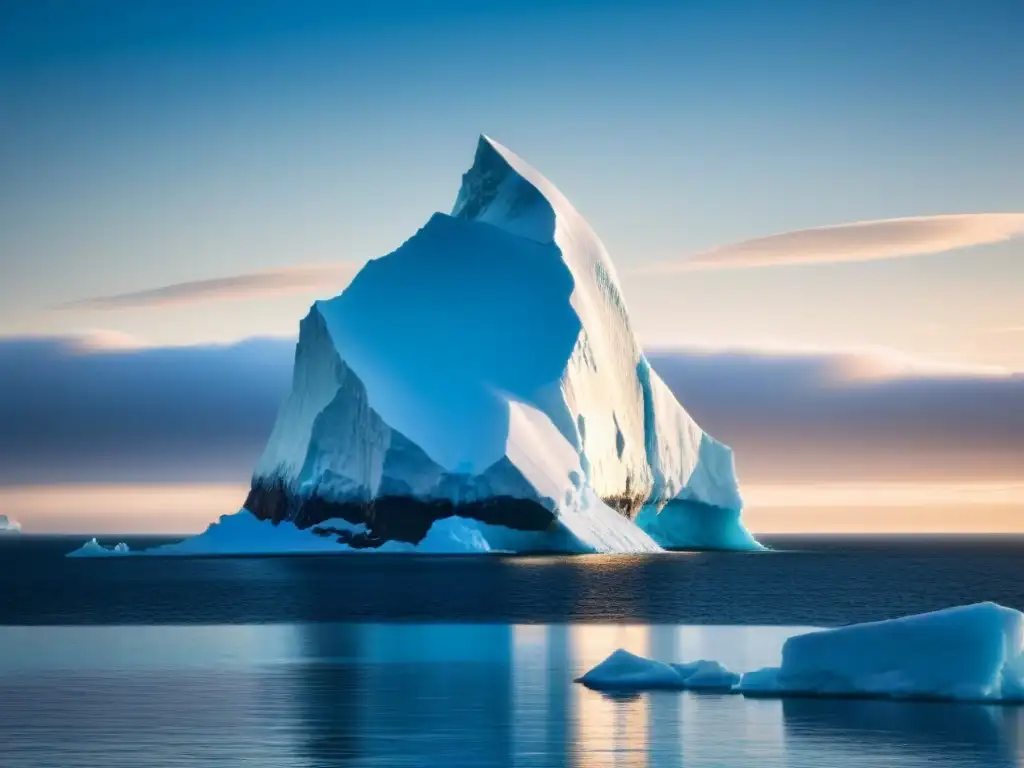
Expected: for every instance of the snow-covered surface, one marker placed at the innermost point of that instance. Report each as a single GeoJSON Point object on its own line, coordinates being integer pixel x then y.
{"type": "Point", "coordinates": [9, 525]}
{"type": "Point", "coordinates": [972, 652]}
{"type": "Point", "coordinates": [243, 534]}
{"type": "Point", "coordinates": [492, 355]}
{"type": "Point", "coordinates": [626, 672]}
{"type": "Point", "coordinates": [968, 653]}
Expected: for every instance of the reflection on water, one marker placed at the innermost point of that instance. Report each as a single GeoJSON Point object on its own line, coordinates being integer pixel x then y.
{"type": "Point", "coordinates": [446, 695]}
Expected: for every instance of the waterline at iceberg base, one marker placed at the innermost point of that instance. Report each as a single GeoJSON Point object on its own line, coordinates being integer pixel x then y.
{"type": "Point", "coordinates": [480, 389]}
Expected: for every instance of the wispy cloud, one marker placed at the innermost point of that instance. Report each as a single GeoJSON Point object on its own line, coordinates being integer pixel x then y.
{"type": "Point", "coordinates": [271, 282]}
{"type": "Point", "coordinates": [858, 241]}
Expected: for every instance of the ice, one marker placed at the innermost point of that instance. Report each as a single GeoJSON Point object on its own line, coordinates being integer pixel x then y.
{"type": "Point", "coordinates": [968, 653]}
{"type": "Point", "coordinates": [690, 525]}
{"type": "Point", "coordinates": [244, 534]}
{"type": "Point", "coordinates": [491, 357]}
{"type": "Point", "coordinates": [625, 672]}
{"type": "Point", "coordinates": [9, 525]}
{"type": "Point", "coordinates": [92, 548]}
{"type": "Point", "coordinates": [706, 676]}
{"type": "Point", "coordinates": [971, 652]}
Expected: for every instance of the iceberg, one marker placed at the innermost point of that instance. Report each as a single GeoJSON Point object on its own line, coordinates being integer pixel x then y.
{"type": "Point", "coordinates": [244, 534]}
{"type": "Point", "coordinates": [9, 525]}
{"type": "Point", "coordinates": [967, 653]}
{"type": "Point", "coordinates": [92, 548]}
{"type": "Point", "coordinates": [625, 672]}
{"type": "Point", "coordinates": [487, 371]}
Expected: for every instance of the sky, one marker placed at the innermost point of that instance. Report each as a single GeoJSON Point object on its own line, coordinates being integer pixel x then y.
{"type": "Point", "coordinates": [815, 210]}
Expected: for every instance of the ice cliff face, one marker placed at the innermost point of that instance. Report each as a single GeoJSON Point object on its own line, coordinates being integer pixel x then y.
{"type": "Point", "coordinates": [487, 369]}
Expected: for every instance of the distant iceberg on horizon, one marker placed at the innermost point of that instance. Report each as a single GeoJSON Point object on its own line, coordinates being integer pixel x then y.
{"type": "Point", "coordinates": [482, 386]}
{"type": "Point", "coordinates": [9, 525]}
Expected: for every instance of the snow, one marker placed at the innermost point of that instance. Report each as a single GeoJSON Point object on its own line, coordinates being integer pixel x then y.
{"type": "Point", "coordinates": [9, 525]}
{"type": "Point", "coordinates": [625, 672]}
{"type": "Point", "coordinates": [492, 355]}
{"type": "Point", "coordinates": [242, 533]}
{"type": "Point", "coordinates": [967, 653]}
{"type": "Point", "coordinates": [971, 652]}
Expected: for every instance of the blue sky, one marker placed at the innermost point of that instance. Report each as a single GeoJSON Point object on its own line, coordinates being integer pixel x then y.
{"type": "Point", "coordinates": [152, 143]}
{"type": "Point", "coordinates": [145, 144]}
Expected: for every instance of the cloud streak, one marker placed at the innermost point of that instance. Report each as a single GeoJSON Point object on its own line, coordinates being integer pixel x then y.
{"type": "Point", "coordinates": [803, 416]}
{"type": "Point", "coordinates": [272, 282]}
{"type": "Point", "coordinates": [73, 413]}
{"type": "Point", "coordinates": [858, 241]}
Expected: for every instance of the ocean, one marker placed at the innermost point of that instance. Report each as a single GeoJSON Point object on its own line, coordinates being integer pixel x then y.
{"type": "Point", "coordinates": [377, 660]}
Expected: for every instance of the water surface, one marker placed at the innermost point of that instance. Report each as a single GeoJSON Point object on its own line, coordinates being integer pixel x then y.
{"type": "Point", "coordinates": [438, 694]}
{"type": "Point", "coordinates": [417, 661]}
{"type": "Point", "coordinates": [807, 581]}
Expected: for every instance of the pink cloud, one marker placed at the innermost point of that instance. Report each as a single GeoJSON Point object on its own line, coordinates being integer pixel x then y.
{"type": "Point", "coordinates": [273, 282]}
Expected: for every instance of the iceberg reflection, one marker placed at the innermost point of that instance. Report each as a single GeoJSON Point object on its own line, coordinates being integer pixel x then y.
{"type": "Point", "coordinates": [331, 695]}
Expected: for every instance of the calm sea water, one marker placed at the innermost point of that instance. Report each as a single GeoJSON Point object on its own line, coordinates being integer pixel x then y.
{"type": "Point", "coordinates": [397, 661]}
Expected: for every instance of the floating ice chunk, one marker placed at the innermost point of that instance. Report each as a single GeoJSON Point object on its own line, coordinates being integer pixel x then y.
{"type": "Point", "coordinates": [92, 548]}
{"type": "Point", "coordinates": [9, 525]}
{"type": "Point", "coordinates": [706, 676]}
{"type": "Point", "coordinates": [972, 652]}
{"type": "Point", "coordinates": [968, 653]}
{"type": "Point", "coordinates": [624, 672]}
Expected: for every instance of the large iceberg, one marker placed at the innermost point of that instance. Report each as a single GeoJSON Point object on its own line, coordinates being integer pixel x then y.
{"type": "Point", "coordinates": [9, 525]}
{"type": "Point", "coordinates": [487, 370]}
{"type": "Point", "coordinates": [968, 653]}
{"type": "Point", "coordinates": [971, 652]}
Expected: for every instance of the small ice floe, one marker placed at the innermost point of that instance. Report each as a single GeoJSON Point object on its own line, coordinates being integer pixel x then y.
{"type": "Point", "coordinates": [625, 672]}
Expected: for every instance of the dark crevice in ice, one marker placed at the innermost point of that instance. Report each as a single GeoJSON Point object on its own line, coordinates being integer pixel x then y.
{"type": "Point", "coordinates": [401, 518]}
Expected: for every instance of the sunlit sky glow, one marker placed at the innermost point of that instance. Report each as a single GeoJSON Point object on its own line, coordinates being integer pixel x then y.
{"type": "Point", "coordinates": [176, 174]}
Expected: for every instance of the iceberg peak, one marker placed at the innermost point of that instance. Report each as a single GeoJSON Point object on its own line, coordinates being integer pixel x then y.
{"type": "Point", "coordinates": [494, 191]}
